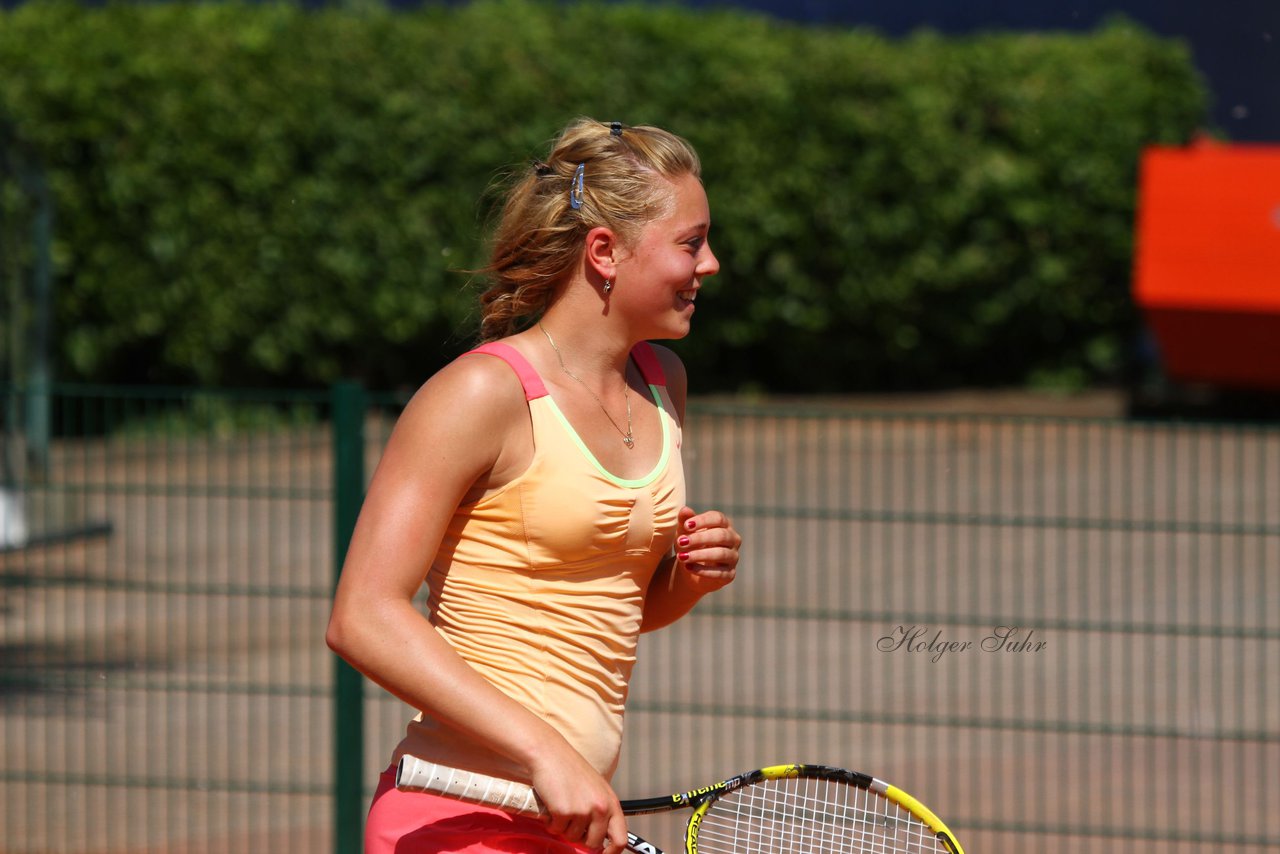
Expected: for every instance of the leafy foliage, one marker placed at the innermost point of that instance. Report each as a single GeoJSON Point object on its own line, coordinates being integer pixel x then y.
{"type": "Point", "coordinates": [261, 195]}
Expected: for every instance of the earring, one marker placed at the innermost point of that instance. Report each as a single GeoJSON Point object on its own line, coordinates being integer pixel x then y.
{"type": "Point", "coordinates": [608, 286]}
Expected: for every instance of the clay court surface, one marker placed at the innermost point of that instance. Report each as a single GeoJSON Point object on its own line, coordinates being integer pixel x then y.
{"type": "Point", "coordinates": [1058, 632]}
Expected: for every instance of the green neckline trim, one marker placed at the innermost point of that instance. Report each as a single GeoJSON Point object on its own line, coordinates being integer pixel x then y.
{"type": "Point", "coordinates": [613, 478]}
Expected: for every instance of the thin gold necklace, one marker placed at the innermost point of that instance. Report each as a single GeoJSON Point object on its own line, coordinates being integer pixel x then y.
{"type": "Point", "coordinates": [627, 438]}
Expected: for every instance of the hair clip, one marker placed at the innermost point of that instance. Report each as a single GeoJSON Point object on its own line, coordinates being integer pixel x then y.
{"type": "Point", "coordinates": [540, 169]}
{"type": "Point", "coordinates": [575, 191]}
{"type": "Point", "coordinates": [615, 128]}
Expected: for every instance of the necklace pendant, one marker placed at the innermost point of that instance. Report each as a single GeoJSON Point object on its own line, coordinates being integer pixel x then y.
{"type": "Point", "coordinates": [628, 441]}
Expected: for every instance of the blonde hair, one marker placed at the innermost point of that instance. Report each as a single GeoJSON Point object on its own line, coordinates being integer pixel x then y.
{"type": "Point", "coordinates": [539, 236]}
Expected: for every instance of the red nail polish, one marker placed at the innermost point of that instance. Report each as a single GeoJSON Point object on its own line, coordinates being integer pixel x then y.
{"type": "Point", "coordinates": [691, 524]}
{"type": "Point", "coordinates": [682, 541]}
{"type": "Point", "coordinates": [682, 557]}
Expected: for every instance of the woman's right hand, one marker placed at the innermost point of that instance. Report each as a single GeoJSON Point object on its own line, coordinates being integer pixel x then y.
{"type": "Point", "coordinates": [582, 805]}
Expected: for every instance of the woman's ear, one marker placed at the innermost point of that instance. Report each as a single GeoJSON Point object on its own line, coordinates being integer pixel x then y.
{"type": "Point", "coordinates": [602, 252]}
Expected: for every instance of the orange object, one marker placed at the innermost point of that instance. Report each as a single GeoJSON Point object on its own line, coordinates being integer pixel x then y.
{"type": "Point", "coordinates": [1207, 265]}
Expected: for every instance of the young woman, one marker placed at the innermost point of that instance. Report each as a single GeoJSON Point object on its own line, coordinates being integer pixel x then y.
{"type": "Point", "coordinates": [535, 484]}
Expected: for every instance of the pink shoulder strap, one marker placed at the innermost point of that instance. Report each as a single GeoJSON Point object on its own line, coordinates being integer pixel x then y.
{"type": "Point", "coordinates": [529, 379]}
{"type": "Point", "coordinates": [647, 362]}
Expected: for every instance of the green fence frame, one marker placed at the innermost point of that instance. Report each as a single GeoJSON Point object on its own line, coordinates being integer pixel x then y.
{"type": "Point", "coordinates": [164, 683]}
{"type": "Point", "coordinates": [349, 478]}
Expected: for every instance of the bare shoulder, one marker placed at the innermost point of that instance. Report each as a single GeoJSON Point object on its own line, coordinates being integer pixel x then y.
{"type": "Point", "coordinates": [677, 377]}
{"type": "Point", "coordinates": [465, 410]}
{"type": "Point", "coordinates": [480, 380]}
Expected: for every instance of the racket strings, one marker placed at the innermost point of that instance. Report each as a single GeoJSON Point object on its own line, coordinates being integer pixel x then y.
{"type": "Point", "coordinates": [812, 816]}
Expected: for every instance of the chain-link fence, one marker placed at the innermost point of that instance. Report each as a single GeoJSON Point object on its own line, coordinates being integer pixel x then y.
{"type": "Point", "coordinates": [1059, 633]}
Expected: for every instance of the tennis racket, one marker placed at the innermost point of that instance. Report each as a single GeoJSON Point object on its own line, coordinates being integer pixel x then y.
{"type": "Point", "coordinates": [796, 809]}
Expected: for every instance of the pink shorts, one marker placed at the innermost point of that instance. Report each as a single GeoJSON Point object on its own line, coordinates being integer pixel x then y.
{"type": "Point", "coordinates": [417, 823]}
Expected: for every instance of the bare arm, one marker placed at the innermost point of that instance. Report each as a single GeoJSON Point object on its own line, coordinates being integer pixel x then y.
{"type": "Point", "coordinates": [434, 459]}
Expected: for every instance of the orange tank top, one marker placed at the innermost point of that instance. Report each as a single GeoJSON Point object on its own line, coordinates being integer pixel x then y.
{"type": "Point", "coordinates": [540, 585]}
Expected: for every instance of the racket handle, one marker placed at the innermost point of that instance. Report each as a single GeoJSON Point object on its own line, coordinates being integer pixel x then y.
{"type": "Point", "coordinates": [419, 775]}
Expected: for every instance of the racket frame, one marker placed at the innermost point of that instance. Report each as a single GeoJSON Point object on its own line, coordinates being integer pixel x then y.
{"type": "Point", "coordinates": [702, 800]}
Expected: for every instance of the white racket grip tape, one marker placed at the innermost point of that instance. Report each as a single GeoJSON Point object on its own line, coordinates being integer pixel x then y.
{"type": "Point", "coordinates": [419, 775]}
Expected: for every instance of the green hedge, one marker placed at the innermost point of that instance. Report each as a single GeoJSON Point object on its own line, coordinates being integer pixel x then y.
{"type": "Point", "coordinates": [256, 194]}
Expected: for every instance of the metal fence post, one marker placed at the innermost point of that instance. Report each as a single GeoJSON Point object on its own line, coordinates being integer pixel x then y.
{"type": "Point", "coordinates": [348, 399]}
{"type": "Point", "coordinates": [27, 296]}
